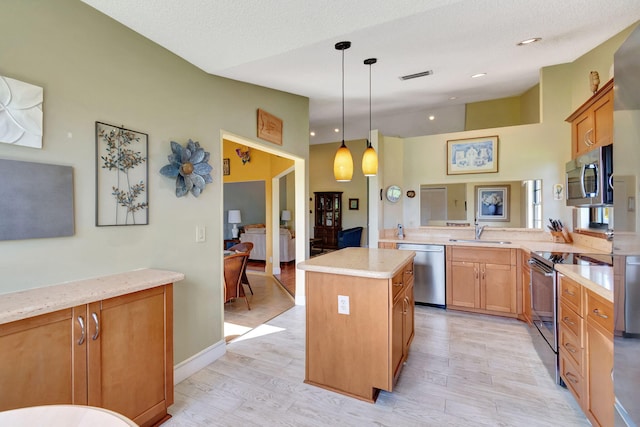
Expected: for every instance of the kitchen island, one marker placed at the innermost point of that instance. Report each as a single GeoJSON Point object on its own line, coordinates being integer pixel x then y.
{"type": "Point", "coordinates": [360, 311]}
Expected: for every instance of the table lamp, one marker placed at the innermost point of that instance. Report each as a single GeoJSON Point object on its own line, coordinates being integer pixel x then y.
{"type": "Point", "coordinates": [234, 218]}
{"type": "Point", "coordinates": [286, 216]}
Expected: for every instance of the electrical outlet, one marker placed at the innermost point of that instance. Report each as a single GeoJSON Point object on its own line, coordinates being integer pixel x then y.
{"type": "Point", "coordinates": [343, 304]}
{"type": "Point", "coordinates": [201, 233]}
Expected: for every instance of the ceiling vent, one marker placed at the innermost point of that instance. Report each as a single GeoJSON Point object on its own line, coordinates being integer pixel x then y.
{"type": "Point", "coordinates": [416, 75]}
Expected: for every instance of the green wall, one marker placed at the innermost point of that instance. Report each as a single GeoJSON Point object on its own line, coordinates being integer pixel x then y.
{"type": "Point", "coordinates": [94, 69]}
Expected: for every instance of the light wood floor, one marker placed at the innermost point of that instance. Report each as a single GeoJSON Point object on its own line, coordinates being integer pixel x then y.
{"type": "Point", "coordinates": [463, 370]}
{"type": "Point", "coordinates": [269, 299]}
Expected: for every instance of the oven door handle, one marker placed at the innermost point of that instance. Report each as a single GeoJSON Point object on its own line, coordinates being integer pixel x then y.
{"type": "Point", "coordinates": [534, 266]}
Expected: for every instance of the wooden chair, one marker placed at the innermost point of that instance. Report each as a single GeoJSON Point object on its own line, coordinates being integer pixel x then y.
{"type": "Point", "coordinates": [233, 266]}
{"type": "Point", "coordinates": [245, 247]}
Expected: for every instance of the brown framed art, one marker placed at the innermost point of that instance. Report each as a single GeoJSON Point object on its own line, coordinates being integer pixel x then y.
{"type": "Point", "coordinates": [472, 155]}
{"type": "Point", "coordinates": [354, 204]}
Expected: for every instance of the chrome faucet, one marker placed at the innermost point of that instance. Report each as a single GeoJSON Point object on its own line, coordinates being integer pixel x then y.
{"type": "Point", "coordinates": [479, 230]}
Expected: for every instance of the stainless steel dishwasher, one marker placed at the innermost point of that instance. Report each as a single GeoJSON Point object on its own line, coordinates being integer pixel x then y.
{"type": "Point", "coordinates": [429, 279]}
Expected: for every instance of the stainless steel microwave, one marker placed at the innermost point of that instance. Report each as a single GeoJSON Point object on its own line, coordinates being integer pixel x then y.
{"type": "Point", "coordinates": [589, 178]}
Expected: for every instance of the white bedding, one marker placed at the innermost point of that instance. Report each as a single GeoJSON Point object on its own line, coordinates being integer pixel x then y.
{"type": "Point", "coordinates": [259, 251]}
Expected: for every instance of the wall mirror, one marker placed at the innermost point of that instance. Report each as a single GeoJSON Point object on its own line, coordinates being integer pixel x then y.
{"type": "Point", "coordinates": [457, 204]}
{"type": "Point", "coordinates": [393, 193]}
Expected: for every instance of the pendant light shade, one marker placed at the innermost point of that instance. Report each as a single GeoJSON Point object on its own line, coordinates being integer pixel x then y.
{"type": "Point", "coordinates": [343, 162]}
{"type": "Point", "coordinates": [370, 157]}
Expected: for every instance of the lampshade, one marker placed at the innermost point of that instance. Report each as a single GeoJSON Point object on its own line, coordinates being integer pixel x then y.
{"type": "Point", "coordinates": [370, 158]}
{"type": "Point", "coordinates": [286, 215]}
{"type": "Point", "coordinates": [234, 217]}
{"type": "Point", "coordinates": [369, 161]}
{"type": "Point", "coordinates": [343, 162]}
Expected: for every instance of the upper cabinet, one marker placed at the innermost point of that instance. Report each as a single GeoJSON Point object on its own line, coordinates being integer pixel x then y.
{"type": "Point", "coordinates": [592, 123]}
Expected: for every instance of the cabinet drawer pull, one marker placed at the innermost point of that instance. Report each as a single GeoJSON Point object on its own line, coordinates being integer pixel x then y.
{"type": "Point", "coordinates": [568, 320]}
{"type": "Point", "coordinates": [397, 284]}
{"type": "Point", "coordinates": [81, 322]}
{"type": "Point", "coordinates": [95, 336]}
{"type": "Point", "coordinates": [568, 292]}
{"type": "Point", "coordinates": [570, 347]}
{"type": "Point", "coordinates": [571, 377]}
{"type": "Point", "coordinates": [597, 313]}
{"type": "Point", "coordinates": [409, 271]}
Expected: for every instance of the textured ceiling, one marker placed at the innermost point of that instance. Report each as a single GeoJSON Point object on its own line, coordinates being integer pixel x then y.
{"type": "Point", "coordinates": [289, 45]}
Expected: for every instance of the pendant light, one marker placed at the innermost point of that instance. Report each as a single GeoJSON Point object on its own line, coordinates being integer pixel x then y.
{"type": "Point", "coordinates": [343, 162]}
{"type": "Point", "coordinates": [370, 158]}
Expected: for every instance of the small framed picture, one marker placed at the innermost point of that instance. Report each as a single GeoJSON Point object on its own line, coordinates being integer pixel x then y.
{"type": "Point", "coordinates": [226, 168]}
{"type": "Point", "coordinates": [354, 204]}
{"type": "Point", "coordinates": [492, 203]}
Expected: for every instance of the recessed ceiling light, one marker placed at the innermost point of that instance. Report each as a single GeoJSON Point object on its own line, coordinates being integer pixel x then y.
{"type": "Point", "coordinates": [432, 117]}
{"type": "Point", "coordinates": [312, 133]}
{"type": "Point", "coordinates": [475, 76]}
{"type": "Point", "coordinates": [529, 41]}
{"type": "Point", "coordinates": [451, 98]}
{"type": "Point", "coordinates": [336, 130]}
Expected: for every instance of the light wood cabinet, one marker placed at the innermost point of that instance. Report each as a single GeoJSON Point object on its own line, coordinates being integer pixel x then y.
{"type": "Point", "coordinates": [362, 352]}
{"type": "Point", "coordinates": [482, 280]}
{"type": "Point", "coordinates": [585, 330]}
{"type": "Point", "coordinates": [526, 286]}
{"type": "Point", "coordinates": [592, 123]}
{"type": "Point", "coordinates": [328, 218]}
{"type": "Point", "coordinates": [386, 245]}
{"type": "Point", "coordinates": [115, 354]}
{"type": "Point", "coordinates": [599, 349]}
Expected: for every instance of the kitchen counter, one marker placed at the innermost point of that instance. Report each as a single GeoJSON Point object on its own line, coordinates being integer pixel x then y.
{"type": "Point", "coordinates": [33, 302]}
{"type": "Point", "coordinates": [598, 279]}
{"type": "Point", "coordinates": [362, 262]}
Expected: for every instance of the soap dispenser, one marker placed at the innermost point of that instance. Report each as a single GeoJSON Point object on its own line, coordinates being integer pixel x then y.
{"type": "Point", "coordinates": [400, 232]}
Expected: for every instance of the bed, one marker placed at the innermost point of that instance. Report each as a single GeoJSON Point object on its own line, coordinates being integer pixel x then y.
{"type": "Point", "coordinates": [258, 236]}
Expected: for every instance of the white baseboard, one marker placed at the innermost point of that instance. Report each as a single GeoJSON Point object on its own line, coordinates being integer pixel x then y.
{"type": "Point", "coordinates": [186, 368]}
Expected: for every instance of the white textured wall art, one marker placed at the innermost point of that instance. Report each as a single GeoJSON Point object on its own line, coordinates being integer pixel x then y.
{"type": "Point", "coordinates": [20, 113]}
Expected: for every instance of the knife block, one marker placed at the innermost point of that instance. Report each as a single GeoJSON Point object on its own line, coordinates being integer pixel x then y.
{"type": "Point", "coordinates": [558, 237]}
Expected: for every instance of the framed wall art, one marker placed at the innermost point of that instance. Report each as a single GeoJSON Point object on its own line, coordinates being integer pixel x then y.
{"type": "Point", "coordinates": [121, 176]}
{"type": "Point", "coordinates": [492, 203]}
{"type": "Point", "coordinates": [475, 155]}
{"type": "Point", "coordinates": [354, 204]}
{"type": "Point", "coordinates": [269, 127]}
{"type": "Point", "coordinates": [226, 167]}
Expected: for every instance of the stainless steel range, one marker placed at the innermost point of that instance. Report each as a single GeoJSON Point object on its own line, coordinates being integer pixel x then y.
{"type": "Point", "coordinates": [544, 301]}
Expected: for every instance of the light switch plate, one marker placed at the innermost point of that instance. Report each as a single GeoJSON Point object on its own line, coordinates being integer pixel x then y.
{"type": "Point", "coordinates": [201, 233]}
{"type": "Point", "coordinates": [343, 304]}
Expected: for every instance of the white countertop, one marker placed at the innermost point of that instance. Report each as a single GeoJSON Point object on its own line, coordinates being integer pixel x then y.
{"type": "Point", "coordinates": [33, 302]}
{"type": "Point", "coordinates": [64, 416]}
{"type": "Point", "coordinates": [598, 279]}
{"type": "Point", "coordinates": [362, 262]}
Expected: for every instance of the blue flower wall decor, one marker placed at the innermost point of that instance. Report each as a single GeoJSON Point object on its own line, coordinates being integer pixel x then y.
{"type": "Point", "coordinates": [189, 165]}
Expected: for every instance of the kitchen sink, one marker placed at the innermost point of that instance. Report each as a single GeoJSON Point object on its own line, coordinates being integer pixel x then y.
{"type": "Point", "coordinates": [494, 242]}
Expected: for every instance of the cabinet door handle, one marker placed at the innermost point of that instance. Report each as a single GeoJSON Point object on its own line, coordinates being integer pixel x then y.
{"type": "Point", "coordinates": [597, 313]}
{"type": "Point", "coordinates": [568, 292]}
{"type": "Point", "coordinates": [571, 377]}
{"type": "Point", "coordinates": [569, 347]}
{"type": "Point", "coordinates": [567, 320]}
{"type": "Point", "coordinates": [587, 138]}
{"type": "Point", "coordinates": [483, 274]}
{"type": "Point", "coordinates": [95, 336]}
{"type": "Point", "coordinates": [82, 330]}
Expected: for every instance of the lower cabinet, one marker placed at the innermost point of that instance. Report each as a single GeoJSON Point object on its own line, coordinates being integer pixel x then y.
{"type": "Point", "coordinates": [482, 280]}
{"type": "Point", "coordinates": [115, 354]}
{"type": "Point", "coordinates": [585, 328]}
{"type": "Point", "coordinates": [360, 352]}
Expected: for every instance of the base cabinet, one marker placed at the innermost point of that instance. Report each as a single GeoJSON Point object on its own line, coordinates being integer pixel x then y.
{"type": "Point", "coordinates": [360, 352]}
{"type": "Point", "coordinates": [482, 280]}
{"type": "Point", "coordinates": [115, 354]}
{"type": "Point", "coordinates": [585, 328]}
